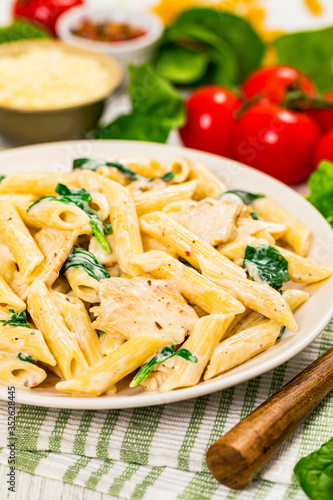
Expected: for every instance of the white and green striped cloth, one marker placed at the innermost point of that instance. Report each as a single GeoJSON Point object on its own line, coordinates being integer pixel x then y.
{"type": "Point", "coordinates": [159, 452]}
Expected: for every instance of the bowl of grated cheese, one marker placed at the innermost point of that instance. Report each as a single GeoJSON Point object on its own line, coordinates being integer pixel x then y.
{"type": "Point", "coordinates": [51, 91]}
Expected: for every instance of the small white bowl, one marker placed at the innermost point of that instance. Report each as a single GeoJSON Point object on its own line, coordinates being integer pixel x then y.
{"type": "Point", "coordinates": [137, 51]}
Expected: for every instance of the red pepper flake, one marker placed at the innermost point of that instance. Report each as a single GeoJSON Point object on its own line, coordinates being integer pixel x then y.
{"type": "Point", "coordinates": [187, 253]}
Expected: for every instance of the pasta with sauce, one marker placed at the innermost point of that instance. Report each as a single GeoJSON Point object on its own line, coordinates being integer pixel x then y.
{"type": "Point", "coordinates": [126, 266]}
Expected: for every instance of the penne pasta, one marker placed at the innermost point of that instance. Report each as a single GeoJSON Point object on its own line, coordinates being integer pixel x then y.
{"type": "Point", "coordinates": [55, 215]}
{"type": "Point", "coordinates": [115, 366]}
{"type": "Point", "coordinates": [17, 339]}
{"type": "Point", "coordinates": [60, 340]}
{"type": "Point", "coordinates": [20, 242]}
{"type": "Point", "coordinates": [37, 184]}
{"type": "Point", "coordinates": [209, 185]}
{"type": "Point", "coordinates": [22, 374]}
{"type": "Point", "coordinates": [83, 285]}
{"type": "Point", "coordinates": [181, 168]}
{"type": "Point", "coordinates": [151, 201]}
{"type": "Point", "coordinates": [297, 235]}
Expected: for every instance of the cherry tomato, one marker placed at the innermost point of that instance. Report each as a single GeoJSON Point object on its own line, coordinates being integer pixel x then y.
{"type": "Point", "coordinates": [210, 120]}
{"type": "Point", "coordinates": [324, 117]}
{"type": "Point", "coordinates": [45, 12]}
{"type": "Point", "coordinates": [276, 141]}
{"type": "Point", "coordinates": [273, 83]}
{"type": "Point", "coordinates": [324, 149]}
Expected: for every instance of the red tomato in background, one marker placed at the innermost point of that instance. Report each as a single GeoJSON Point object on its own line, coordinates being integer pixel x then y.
{"type": "Point", "coordinates": [324, 117]}
{"type": "Point", "coordinates": [276, 141]}
{"type": "Point", "coordinates": [273, 83]}
{"type": "Point", "coordinates": [45, 12]}
{"type": "Point", "coordinates": [324, 150]}
{"type": "Point", "coordinates": [210, 120]}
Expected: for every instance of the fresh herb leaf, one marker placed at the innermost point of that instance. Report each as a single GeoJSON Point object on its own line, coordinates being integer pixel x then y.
{"type": "Point", "coordinates": [321, 190]}
{"type": "Point", "coordinates": [239, 196]}
{"type": "Point", "coordinates": [100, 333]}
{"type": "Point", "coordinates": [21, 31]}
{"type": "Point", "coordinates": [224, 48]}
{"type": "Point", "coordinates": [265, 264]}
{"type": "Point", "coordinates": [81, 198]}
{"type": "Point", "coordinates": [282, 330]}
{"type": "Point", "coordinates": [187, 264]}
{"type": "Point", "coordinates": [310, 51]}
{"type": "Point", "coordinates": [16, 319]}
{"type": "Point", "coordinates": [92, 164]}
{"type": "Point", "coordinates": [2, 177]}
{"type": "Point", "coordinates": [151, 119]}
{"type": "Point", "coordinates": [315, 473]}
{"type": "Point", "coordinates": [25, 357]}
{"type": "Point", "coordinates": [254, 215]}
{"type": "Point", "coordinates": [82, 258]}
{"type": "Point", "coordinates": [165, 353]}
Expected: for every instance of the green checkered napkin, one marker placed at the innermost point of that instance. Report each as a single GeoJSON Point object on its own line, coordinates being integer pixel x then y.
{"type": "Point", "coordinates": [159, 452]}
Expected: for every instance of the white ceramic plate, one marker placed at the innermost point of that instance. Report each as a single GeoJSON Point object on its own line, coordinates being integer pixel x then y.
{"type": "Point", "coordinates": [312, 317]}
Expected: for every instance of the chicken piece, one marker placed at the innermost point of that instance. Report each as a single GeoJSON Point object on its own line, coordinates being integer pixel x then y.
{"type": "Point", "coordinates": [143, 306]}
{"type": "Point", "coordinates": [212, 220]}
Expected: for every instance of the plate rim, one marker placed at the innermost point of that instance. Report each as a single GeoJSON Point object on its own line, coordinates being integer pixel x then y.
{"type": "Point", "coordinates": [155, 398]}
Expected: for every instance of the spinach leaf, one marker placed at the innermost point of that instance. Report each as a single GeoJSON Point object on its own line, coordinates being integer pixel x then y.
{"type": "Point", "coordinates": [310, 51]}
{"type": "Point", "coordinates": [239, 196]}
{"type": "Point", "coordinates": [315, 473]}
{"type": "Point", "coordinates": [25, 357]}
{"type": "Point", "coordinates": [16, 319]}
{"type": "Point", "coordinates": [157, 108]}
{"type": "Point", "coordinates": [321, 187]}
{"type": "Point", "coordinates": [92, 164]}
{"type": "Point", "coordinates": [2, 177]}
{"type": "Point", "coordinates": [165, 353]}
{"type": "Point", "coordinates": [100, 333]}
{"type": "Point", "coordinates": [228, 42]}
{"type": "Point", "coordinates": [82, 258]}
{"type": "Point", "coordinates": [21, 31]}
{"type": "Point", "coordinates": [254, 215]}
{"type": "Point", "coordinates": [265, 264]}
{"type": "Point", "coordinates": [81, 199]}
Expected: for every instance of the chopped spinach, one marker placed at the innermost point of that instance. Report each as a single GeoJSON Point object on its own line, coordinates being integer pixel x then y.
{"type": "Point", "coordinates": [81, 199]}
{"type": "Point", "coordinates": [16, 319]}
{"type": "Point", "coordinates": [239, 196]}
{"type": "Point", "coordinates": [82, 258]}
{"type": "Point", "coordinates": [254, 215]}
{"type": "Point", "coordinates": [315, 473]}
{"type": "Point", "coordinates": [187, 264]}
{"type": "Point", "coordinates": [25, 357]}
{"type": "Point", "coordinates": [100, 333]}
{"type": "Point", "coordinates": [2, 177]}
{"type": "Point", "coordinates": [93, 164]}
{"type": "Point", "coordinates": [265, 264]}
{"type": "Point", "coordinates": [165, 353]}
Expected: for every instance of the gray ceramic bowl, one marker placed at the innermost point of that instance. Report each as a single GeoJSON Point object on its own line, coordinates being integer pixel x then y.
{"type": "Point", "coordinates": [22, 126]}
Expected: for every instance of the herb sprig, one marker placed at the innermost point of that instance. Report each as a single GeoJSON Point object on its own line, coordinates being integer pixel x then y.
{"type": "Point", "coordinates": [17, 319]}
{"type": "Point", "coordinates": [165, 353]}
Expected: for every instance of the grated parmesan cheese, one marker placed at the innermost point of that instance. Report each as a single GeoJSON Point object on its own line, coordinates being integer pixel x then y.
{"type": "Point", "coordinates": [44, 77]}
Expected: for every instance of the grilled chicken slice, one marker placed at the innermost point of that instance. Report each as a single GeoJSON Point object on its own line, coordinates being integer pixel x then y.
{"type": "Point", "coordinates": [142, 306]}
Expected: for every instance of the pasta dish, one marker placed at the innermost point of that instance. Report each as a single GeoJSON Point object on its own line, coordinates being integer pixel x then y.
{"type": "Point", "coordinates": [126, 267]}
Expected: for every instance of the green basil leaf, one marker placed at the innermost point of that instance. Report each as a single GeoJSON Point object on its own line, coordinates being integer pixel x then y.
{"type": "Point", "coordinates": [233, 39]}
{"type": "Point", "coordinates": [315, 473]}
{"type": "Point", "coordinates": [17, 319]}
{"type": "Point", "coordinates": [239, 196]}
{"type": "Point", "coordinates": [265, 264]}
{"type": "Point", "coordinates": [310, 51]}
{"type": "Point", "coordinates": [321, 190]}
{"type": "Point", "coordinates": [152, 118]}
{"type": "Point", "coordinates": [180, 65]}
{"type": "Point", "coordinates": [25, 357]}
{"type": "Point", "coordinates": [82, 258]}
{"type": "Point", "coordinates": [21, 31]}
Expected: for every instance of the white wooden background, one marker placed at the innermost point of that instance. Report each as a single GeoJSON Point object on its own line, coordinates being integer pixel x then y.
{"type": "Point", "coordinates": [283, 14]}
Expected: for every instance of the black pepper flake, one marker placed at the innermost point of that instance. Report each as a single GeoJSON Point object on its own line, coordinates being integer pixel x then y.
{"type": "Point", "coordinates": [149, 282]}
{"type": "Point", "coordinates": [158, 325]}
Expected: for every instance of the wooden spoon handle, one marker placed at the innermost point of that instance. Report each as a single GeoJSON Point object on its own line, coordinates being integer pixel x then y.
{"type": "Point", "coordinates": [241, 453]}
